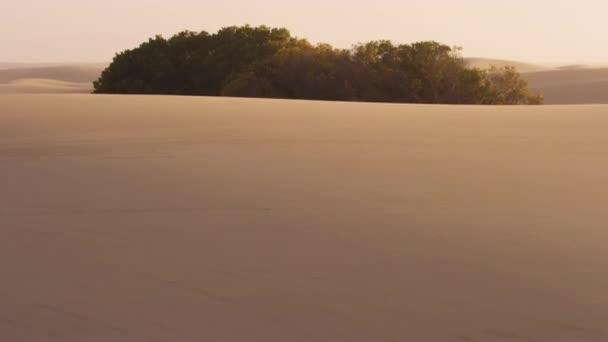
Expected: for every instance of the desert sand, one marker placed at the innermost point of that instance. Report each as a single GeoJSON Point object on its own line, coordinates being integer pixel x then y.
{"type": "Point", "coordinates": [133, 218]}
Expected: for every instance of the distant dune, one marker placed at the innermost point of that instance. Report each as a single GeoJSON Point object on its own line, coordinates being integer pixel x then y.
{"type": "Point", "coordinates": [68, 73]}
{"type": "Point", "coordinates": [151, 218]}
{"type": "Point", "coordinates": [571, 86]}
{"type": "Point", "coordinates": [568, 84]}
{"type": "Point", "coordinates": [44, 86]}
{"type": "Point", "coordinates": [62, 78]}
{"type": "Point", "coordinates": [574, 67]}
{"type": "Point", "coordinates": [486, 63]}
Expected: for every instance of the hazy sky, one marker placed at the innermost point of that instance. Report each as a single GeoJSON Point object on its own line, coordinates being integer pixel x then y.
{"type": "Point", "coordinates": [551, 31]}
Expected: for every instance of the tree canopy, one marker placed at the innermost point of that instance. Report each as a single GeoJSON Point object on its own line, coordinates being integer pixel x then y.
{"type": "Point", "coordinates": [269, 62]}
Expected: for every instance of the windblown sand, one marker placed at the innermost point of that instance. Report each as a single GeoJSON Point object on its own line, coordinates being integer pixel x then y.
{"type": "Point", "coordinates": [134, 218]}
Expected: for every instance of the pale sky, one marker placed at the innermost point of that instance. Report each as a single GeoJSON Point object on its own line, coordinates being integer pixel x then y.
{"type": "Point", "coordinates": [540, 31]}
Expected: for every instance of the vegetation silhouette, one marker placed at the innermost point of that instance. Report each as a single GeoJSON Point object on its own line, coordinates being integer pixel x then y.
{"type": "Point", "coordinates": [269, 62]}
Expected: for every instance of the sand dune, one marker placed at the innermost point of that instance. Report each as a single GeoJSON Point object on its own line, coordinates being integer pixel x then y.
{"type": "Point", "coordinates": [568, 84]}
{"type": "Point", "coordinates": [62, 78]}
{"type": "Point", "coordinates": [486, 63]}
{"type": "Point", "coordinates": [68, 73]}
{"type": "Point", "coordinates": [572, 86]}
{"type": "Point", "coordinates": [43, 86]}
{"type": "Point", "coordinates": [574, 67]}
{"type": "Point", "coordinates": [194, 219]}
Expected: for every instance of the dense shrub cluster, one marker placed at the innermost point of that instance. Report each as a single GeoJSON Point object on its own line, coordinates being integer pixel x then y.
{"type": "Point", "coordinates": [266, 62]}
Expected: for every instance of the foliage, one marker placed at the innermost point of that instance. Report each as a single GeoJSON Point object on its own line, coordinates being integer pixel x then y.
{"type": "Point", "coordinates": [268, 62]}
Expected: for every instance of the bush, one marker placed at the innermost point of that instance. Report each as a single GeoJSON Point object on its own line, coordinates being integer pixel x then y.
{"type": "Point", "coordinates": [268, 62]}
